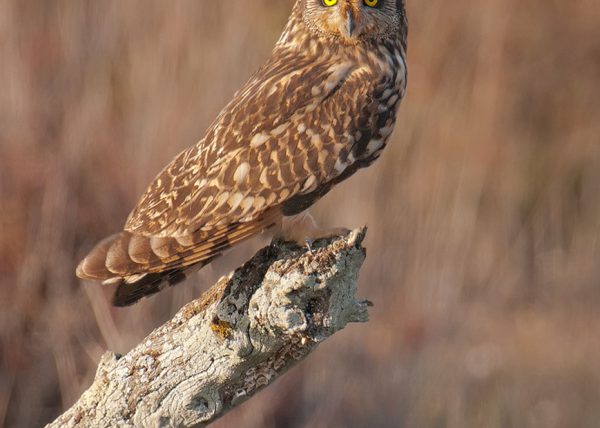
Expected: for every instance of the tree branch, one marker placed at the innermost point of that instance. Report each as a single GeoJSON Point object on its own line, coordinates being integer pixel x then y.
{"type": "Point", "coordinates": [219, 350]}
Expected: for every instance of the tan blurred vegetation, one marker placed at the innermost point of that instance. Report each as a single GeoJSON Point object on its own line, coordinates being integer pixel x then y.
{"type": "Point", "coordinates": [484, 212]}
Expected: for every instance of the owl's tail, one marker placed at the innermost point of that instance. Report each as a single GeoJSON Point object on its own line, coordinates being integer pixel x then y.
{"type": "Point", "coordinates": [141, 266]}
{"type": "Point", "coordinates": [130, 289]}
{"type": "Point", "coordinates": [130, 264]}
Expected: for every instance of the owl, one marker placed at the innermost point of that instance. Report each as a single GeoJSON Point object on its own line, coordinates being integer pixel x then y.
{"type": "Point", "coordinates": [321, 107]}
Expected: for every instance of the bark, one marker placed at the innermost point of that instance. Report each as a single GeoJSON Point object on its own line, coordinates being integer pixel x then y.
{"type": "Point", "coordinates": [219, 350]}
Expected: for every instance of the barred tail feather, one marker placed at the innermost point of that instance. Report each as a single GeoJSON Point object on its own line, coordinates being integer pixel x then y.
{"type": "Point", "coordinates": [131, 289]}
{"type": "Point", "coordinates": [140, 266]}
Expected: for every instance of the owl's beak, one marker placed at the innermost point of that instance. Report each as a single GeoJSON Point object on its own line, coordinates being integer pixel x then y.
{"type": "Point", "coordinates": [350, 24]}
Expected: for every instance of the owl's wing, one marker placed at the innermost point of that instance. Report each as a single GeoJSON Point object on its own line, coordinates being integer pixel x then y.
{"type": "Point", "coordinates": [273, 141]}
{"type": "Point", "coordinates": [287, 132]}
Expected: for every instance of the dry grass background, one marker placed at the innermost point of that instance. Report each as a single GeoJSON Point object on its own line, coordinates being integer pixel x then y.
{"type": "Point", "coordinates": [484, 212]}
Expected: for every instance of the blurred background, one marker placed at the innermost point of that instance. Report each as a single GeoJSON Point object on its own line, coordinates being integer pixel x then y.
{"type": "Point", "coordinates": [483, 213]}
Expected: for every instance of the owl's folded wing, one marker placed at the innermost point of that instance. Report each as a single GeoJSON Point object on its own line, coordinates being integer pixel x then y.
{"type": "Point", "coordinates": [280, 136]}
{"type": "Point", "coordinates": [286, 133]}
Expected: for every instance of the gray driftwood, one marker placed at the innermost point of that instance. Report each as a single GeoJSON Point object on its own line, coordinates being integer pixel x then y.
{"type": "Point", "coordinates": [219, 350]}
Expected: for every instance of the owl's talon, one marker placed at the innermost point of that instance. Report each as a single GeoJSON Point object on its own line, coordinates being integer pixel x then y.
{"type": "Point", "coordinates": [309, 243]}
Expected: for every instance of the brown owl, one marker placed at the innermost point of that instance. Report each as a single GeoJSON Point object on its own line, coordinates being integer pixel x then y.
{"type": "Point", "coordinates": [321, 107]}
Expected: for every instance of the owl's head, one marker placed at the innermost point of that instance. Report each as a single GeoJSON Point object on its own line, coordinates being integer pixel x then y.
{"type": "Point", "coordinates": [352, 21]}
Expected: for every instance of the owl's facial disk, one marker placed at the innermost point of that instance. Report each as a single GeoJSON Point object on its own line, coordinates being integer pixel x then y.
{"type": "Point", "coordinates": [352, 20]}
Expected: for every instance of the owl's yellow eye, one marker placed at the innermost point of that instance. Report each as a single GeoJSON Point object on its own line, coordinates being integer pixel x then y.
{"type": "Point", "coordinates": [329, 3]}
{"type": "Point", "coordinates": [371, 3]}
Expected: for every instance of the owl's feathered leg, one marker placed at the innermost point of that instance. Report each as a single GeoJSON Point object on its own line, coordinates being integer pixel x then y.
{"type": "Point", "coordinates": [304, 230]}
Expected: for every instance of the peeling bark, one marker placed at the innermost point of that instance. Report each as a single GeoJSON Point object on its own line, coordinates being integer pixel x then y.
{"type": "Point", "coordinates": [219, 350]}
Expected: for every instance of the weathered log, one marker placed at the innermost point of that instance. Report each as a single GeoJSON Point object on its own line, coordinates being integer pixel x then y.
{"type": "Point", "coordinates": [219, 350]}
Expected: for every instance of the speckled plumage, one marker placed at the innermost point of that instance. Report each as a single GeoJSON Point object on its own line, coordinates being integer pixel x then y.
{"type": "Point", "coordinates": [321, 107]}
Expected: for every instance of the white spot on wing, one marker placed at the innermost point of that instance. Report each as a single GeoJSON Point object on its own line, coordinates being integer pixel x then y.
{"type": "Point", "coordinates": [263, 177]}
{"type": "Point", "coordinates": [386, 131]}
{"type": "Point", "coordinates": [259, 202]}
{"type": "Point", "coordinates": [280, 129]}
{"type": "Point", "coordinates": [340, 166]}
{"type": "Point", "coordinates": [247, 204]}
{"type": "Point", "coordinates": [259, 140]}
{"type": "Point", "coordinates": [315, 140]}
{"type": "Point", "coordinates": [392, 100]}
{"type": "Point", "coordinates": [185, 240]}
{"type": "Point", "coordinates": [310, 184]}
{"type": "Point", "coordinates": [374, 145]}
{"type": "Point", "coordinates": [241, 172]}
{"type": "Point", "coordinates": [235, 200]}
{"type": "Point", "coordinates": [222, 198]}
